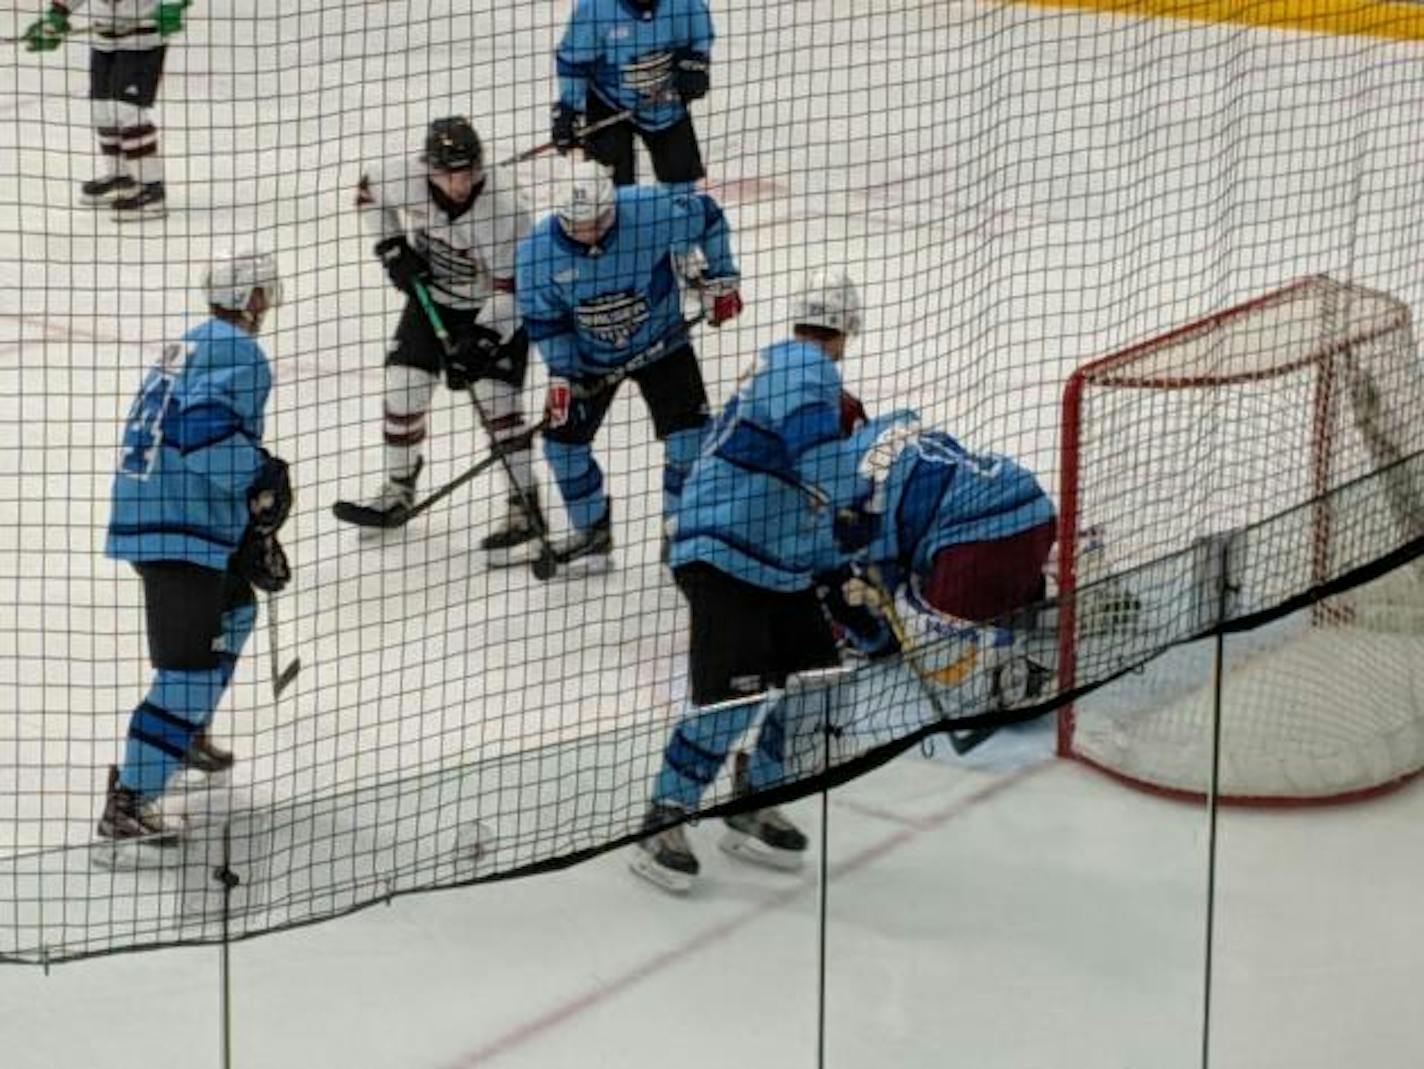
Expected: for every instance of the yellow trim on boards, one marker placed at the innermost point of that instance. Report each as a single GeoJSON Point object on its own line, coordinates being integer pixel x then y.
{"type": "Point", "coordinates": [1398, 21]}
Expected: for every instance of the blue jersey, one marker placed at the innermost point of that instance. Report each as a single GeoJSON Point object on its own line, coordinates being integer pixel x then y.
{"type": "Point", "coordinates": [745, 509]}
{"type": "Point", "coordinates": [191, 446]}
{"type": "Point", "coordinates": [590, 309]}
{"type": "Point", "coordinates": [627, 56]}
{"type": "Point", "coordinates": [929, 490]}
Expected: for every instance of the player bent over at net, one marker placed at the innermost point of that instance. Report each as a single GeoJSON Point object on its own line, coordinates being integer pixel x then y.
{"type": "Point", "coordinates": [744, 539]}
{"type": "Point", "coordinates": [449, 228]}
{"type": "Point", "coordinates": [939, 550]}
{"type": "Point", "coordinates": [602, 300]}
{"type": "Point", "coordinates": [196, 506]}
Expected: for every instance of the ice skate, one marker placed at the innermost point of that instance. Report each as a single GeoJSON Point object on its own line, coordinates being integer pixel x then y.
{"type": "Point", "coordinates": [391, 502]}
{"type": "Point", "coordinates": [665, 858]}
{"type": "Point", "coordinates": [590, 550]}
{"type": "Point", "coordinates": [517, 542]}
{"type": "Point", "coordinates": [99, 192]}
{"type": "Point", "coordinates": [761, 836]}
{"type": "Point", "coordinates": [205, 756]}
{"type": "Point", "coordinates": [132, 833]}
{"type": "Point", "coordinates": [147, 201]}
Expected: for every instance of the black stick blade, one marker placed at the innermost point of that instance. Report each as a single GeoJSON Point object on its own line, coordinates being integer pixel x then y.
{"type": "Point", "coordinates": [364, 516]}
{"type": "Point", "coordinates": [285, 678]}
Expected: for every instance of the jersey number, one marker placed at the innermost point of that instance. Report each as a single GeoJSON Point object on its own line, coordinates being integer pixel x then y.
{"type": "Point", "coordinates": [143, 431]}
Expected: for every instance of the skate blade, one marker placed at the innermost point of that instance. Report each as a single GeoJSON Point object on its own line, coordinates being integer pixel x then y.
{"type": "Point", "coordinates": [136, 215]}
{"type": "Point", "coordinates": [129, 855]}
{"type": "Point", "coordinates": [514, 557]}
{"type": "Point", "coordinates": [749, 848]}
{"type": "Point", "coordinates": [594, 564]}
{"type": "Point", "coordinates": [642, 864]}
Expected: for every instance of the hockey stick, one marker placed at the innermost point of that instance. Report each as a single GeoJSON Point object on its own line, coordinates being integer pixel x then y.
{"type": "Point", "coordinates": [583, 135]}
{"type": "Point", "coordinates": [365, 516]}
{"type": "Point", "coordinates": [651, 355]}
{"type": "Point", "coordinates": [547, 563]}
{"type": "Point", "coordinates": [282, 678]}
{"type": "Point", "coordinates": [81, 31]}
{"type": "Point", "coordinates": [962, 741]}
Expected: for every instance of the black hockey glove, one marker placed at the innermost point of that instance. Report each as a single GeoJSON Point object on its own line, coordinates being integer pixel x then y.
{"type": "Point", "coordinates": [855, 528]}
{"type": "Point", "coordinates": [260, 560]}
{"type": "Point", "coordinates": [474, 354]}
{"type": "Point", "coordinates": [402, 263]}
{"type": "Point", "coordinates": [269, 497]}
{"type": "Point", "coordinates": [564, 127]}
{"type": "Point", "coordinates": [690, 75]}
{"type": "Point", "coordinates": [859, 624]}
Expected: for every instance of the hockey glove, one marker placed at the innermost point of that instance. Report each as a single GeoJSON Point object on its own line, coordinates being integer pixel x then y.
{"type": "Point", "coordinates": [690, 75]}
{"type": "Point", "coordinates": [269, 498]}
{"type": "Point", "coordinates": [47, 32]}
{"type": "Point", "coordinates": [858, 620]}
{"type": "Point", "coordinates": [855, 528]}
{"type": "Point", "coordinates": [168, 17]}
{"type": "Point", "coordinates": [853, 415]}
{"type": "Point", "coordinates": [564, 128]}
{"type": "Point", "coordinates": [403, 264]}
{"type": "Point", "coordinates": [721, 300]}
{"type": "Point", "coordinates": [260, 560]}
{"type": "Point", "coordinates": [473, 355]}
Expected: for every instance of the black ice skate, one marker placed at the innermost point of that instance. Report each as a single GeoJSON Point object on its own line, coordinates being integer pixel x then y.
{"type": "Point", "coordinates": [205, 756]}
{"type": "Point", "coordinates": [517, 542]}
{"type": "Point", "coordinates": [133, 832]}
{"type": "Point", "coordinates": [592, 547]}
{"type": "Point", "coordinates": [147, 202]}
{"type": "Point", "coordinates": [762, 836]}
{"type": "Point", "coordinates": [665, 858]}
{"type": "Point", "coordinates": [98, 192]}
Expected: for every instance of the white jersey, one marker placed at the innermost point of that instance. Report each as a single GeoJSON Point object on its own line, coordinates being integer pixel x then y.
{"type": "Point", "coordinates": [120, 25]}
{"type": "Point", "coordinates": [471, 256]}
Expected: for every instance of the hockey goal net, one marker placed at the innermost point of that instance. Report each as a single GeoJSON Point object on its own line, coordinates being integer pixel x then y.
{"type": "Point", "coordinates": [1212, 474]}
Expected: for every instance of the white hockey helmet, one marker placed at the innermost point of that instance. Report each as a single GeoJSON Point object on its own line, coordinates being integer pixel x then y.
{"type": "Point", "coordinates": [232, 276]}
{"type": "Point", "coordinates": [589, 196]}
{"type": "Point", "coordinates": [829, 300]}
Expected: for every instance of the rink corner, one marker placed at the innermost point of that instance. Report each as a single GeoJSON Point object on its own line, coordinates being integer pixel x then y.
{"type": "Point", "coordinates": [1402, 20]}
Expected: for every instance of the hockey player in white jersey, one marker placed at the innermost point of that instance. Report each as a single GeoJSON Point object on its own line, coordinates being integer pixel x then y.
{"type": "Point", "coordinates": [445, 222]}
{"type": "Point", "coordinates": [128, 46]}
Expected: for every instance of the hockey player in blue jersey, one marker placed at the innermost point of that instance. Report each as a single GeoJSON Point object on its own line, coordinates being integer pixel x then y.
{"type": "Point", "coordinates": [958, 539]}
{"type": "Point", "coordinates": [745, 539]}
{"type": "Point", "coordinates": [196, 505]}
{"type": "Point", "coordinates": [650, 58]}
{"type": "Point", "coordinates": [600, 297]}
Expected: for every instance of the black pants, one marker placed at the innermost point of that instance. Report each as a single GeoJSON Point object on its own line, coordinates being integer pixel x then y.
{"type": "Point", "coordinates": [184, 605]}
{"type": "Point", "coordinates": [746, 638]}
{"type": "Point", "coordinates": [672, 388]}
{"type": "Point", "coordinates": [415, 345]}
{"type": "Point", "coordinates": [674, 149]}
{"type": "Point", "coordinates": [131, 77]}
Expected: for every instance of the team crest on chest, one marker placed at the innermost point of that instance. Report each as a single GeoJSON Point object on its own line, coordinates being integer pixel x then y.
{"type": "Point", "coordinates": [613, 319]}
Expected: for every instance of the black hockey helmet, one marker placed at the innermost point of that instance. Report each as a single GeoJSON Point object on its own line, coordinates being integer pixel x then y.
{"type": "Point", "coordinates": [453, 145]}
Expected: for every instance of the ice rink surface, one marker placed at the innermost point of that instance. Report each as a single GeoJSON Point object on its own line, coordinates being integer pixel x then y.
{"type": "Point", "coordinates": [1019, 191]}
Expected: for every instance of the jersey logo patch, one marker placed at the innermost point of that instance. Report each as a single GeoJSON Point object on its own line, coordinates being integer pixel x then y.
{"type": "Point", "coordinates": [613, 319]}
{"type": "Point", "coordinates": [649, 75]}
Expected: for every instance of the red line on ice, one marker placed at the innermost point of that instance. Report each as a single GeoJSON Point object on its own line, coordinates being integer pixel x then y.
{"type": "Point", "coordinates": [577, 1005]}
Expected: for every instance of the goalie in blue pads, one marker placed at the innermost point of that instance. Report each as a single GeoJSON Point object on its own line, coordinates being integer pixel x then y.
{"type": "Point", "coordinates": [957, 539]}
